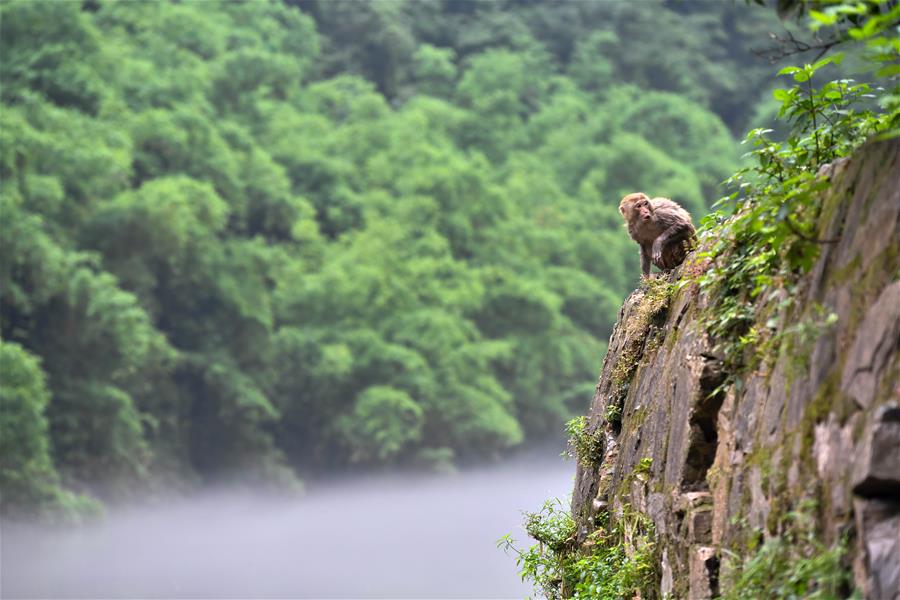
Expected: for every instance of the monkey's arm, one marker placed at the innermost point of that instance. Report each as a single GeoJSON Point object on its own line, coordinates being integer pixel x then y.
{"type": "Point", "coordinates": [677, 232]}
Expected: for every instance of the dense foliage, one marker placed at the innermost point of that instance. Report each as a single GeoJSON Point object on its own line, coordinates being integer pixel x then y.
{"type": "Point", "coordinates": [261, 239]}
{"type": "Point", "coordinates": [767, 233]}
{"type": "Point", "coordinates": [616, 561]}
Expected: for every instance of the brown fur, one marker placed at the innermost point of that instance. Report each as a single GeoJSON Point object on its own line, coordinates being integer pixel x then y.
{"type": "Point", "coordinates": [661, 227]}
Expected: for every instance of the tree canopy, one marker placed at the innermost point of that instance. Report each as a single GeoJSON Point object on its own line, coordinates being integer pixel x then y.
{"type": "Point", "coordinates": [266, 239]}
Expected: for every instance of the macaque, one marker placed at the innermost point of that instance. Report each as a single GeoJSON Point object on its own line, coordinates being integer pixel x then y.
{"type": "Point", "coordinates": [661, 227]}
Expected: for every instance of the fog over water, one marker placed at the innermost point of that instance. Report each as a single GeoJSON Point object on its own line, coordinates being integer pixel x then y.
{"type": "Point", "coordinates": [377, 537]}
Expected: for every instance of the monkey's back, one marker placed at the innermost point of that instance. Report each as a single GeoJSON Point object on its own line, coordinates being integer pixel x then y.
{"type": "Point", "coordinates": [670, 212]}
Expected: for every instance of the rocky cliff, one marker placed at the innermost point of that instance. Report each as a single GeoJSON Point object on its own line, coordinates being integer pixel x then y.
{"type": "Point", "coordinates": [794, 462]}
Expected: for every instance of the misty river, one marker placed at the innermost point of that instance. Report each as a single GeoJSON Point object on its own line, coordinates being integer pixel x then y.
{"type": "Point", "coordinates": [400, 536]}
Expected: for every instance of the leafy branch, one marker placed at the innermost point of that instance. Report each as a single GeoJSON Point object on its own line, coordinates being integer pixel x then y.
{"type": "Point", "coordinates": [762, 237]}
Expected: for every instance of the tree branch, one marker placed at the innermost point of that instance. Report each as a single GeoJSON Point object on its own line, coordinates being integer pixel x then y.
{"type": "Point", "coordinates": [788, 45]}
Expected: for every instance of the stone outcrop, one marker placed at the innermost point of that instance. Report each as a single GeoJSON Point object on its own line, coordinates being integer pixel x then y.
{"type": "Point", "coordinates": [817, 426]}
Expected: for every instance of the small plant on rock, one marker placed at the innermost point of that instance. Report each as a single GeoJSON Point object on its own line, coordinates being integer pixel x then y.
{"type": "Point", "coordinates": [616, 561]}
{"type": "Point", "coordinates": [583, 445]}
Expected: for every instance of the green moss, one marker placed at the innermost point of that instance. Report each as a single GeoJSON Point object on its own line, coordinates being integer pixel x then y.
{"type": "Point", "coordinates": [625, 366]}
{"type": "Point", "coordinates": [866, 285]}
{"type": "Point", "coordinates": [763, 457]}
{"type": "Point", "coordinates": [760, 456]}
{"type": "Point", "coordinates": [795, 564]}
{"type": "Point", "coordinates": [816, 411]}
{"type": "Point", "coordinates": [654, 342]}
{"type": "Point", "coordinates": [883, 179]}
{"type": "Point", "coordinates": [657, 295]}
{"type": "Point", "coordinates": [648, 315]}
{"type": "Point", "coordinates": [672, 338]}
{"type": "Point", "coordinates": [623, 490]}
{"type": "Point", "coordinates": [774, 479]}
{"type": "Point", "coordinates": [779, 504]}
{"type": "Point", "coordinates": [828, 212]}
{"type": "Point", "coordinates": [886, 389]}
{"type": "Point", "coordinates": [637, 418]}
{"type": "Point", "coordinates": [842, 275]}
{"type": "Point", "coordinates": [829, 398]}
{"type": "Point", "coordinates": [713, 476]}
{"type": "Point", "coordinates": [740, 541]}
{"type": "Point", "coordinates": [746, 500]}
{"type": "Point", "coordinates": [859, 426]}
{"type": "Point", "coordinates": [798, 341]}
{"type": "Point", "coordinates": [780, 479]}
{"type": "Point", "coordinates": [642, 470]}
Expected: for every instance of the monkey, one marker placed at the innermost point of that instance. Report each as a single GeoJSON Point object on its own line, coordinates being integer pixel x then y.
{"type": "Point", "coordinates": [661, 228]}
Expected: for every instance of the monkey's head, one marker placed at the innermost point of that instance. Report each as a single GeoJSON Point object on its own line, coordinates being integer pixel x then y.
{"type": "Point", "coordinates": [636, 207]}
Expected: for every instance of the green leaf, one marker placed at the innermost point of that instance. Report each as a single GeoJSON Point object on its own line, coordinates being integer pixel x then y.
{"type": "Point", "coordinates": [781, 95]}
{"type": "Point", "coordinates": [789, 70]}
{"type": "Point", "coordinates": [823, 18]}
{"type": "Point", "coordinates": [821, 63]}
{"type": "Point", "coordinates": [888, 71]}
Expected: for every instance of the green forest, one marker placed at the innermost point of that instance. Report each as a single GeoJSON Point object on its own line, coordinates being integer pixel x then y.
{"type": "Point", "coordinates": [260, 241]}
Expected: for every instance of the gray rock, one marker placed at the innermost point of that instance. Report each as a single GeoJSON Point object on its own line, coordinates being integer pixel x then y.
{"type": "Point", "coordinates": [699, 526]}
{"type": "Point", "coordinates": [877, 472]}
{"type": "Point", "coordinates": [876, 341]}
{"type": "Point", "coordinates": [878, 523]}
{"type": "Point", "coordinates": [693, 500]}
{"type": "Point", "coordinates": [704, 573]}
{"type": "Point", "coordinates": [667, 582]}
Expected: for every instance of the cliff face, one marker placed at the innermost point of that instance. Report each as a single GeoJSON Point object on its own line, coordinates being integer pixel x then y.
{"type": "Point", "coordinates": [808, 442]}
